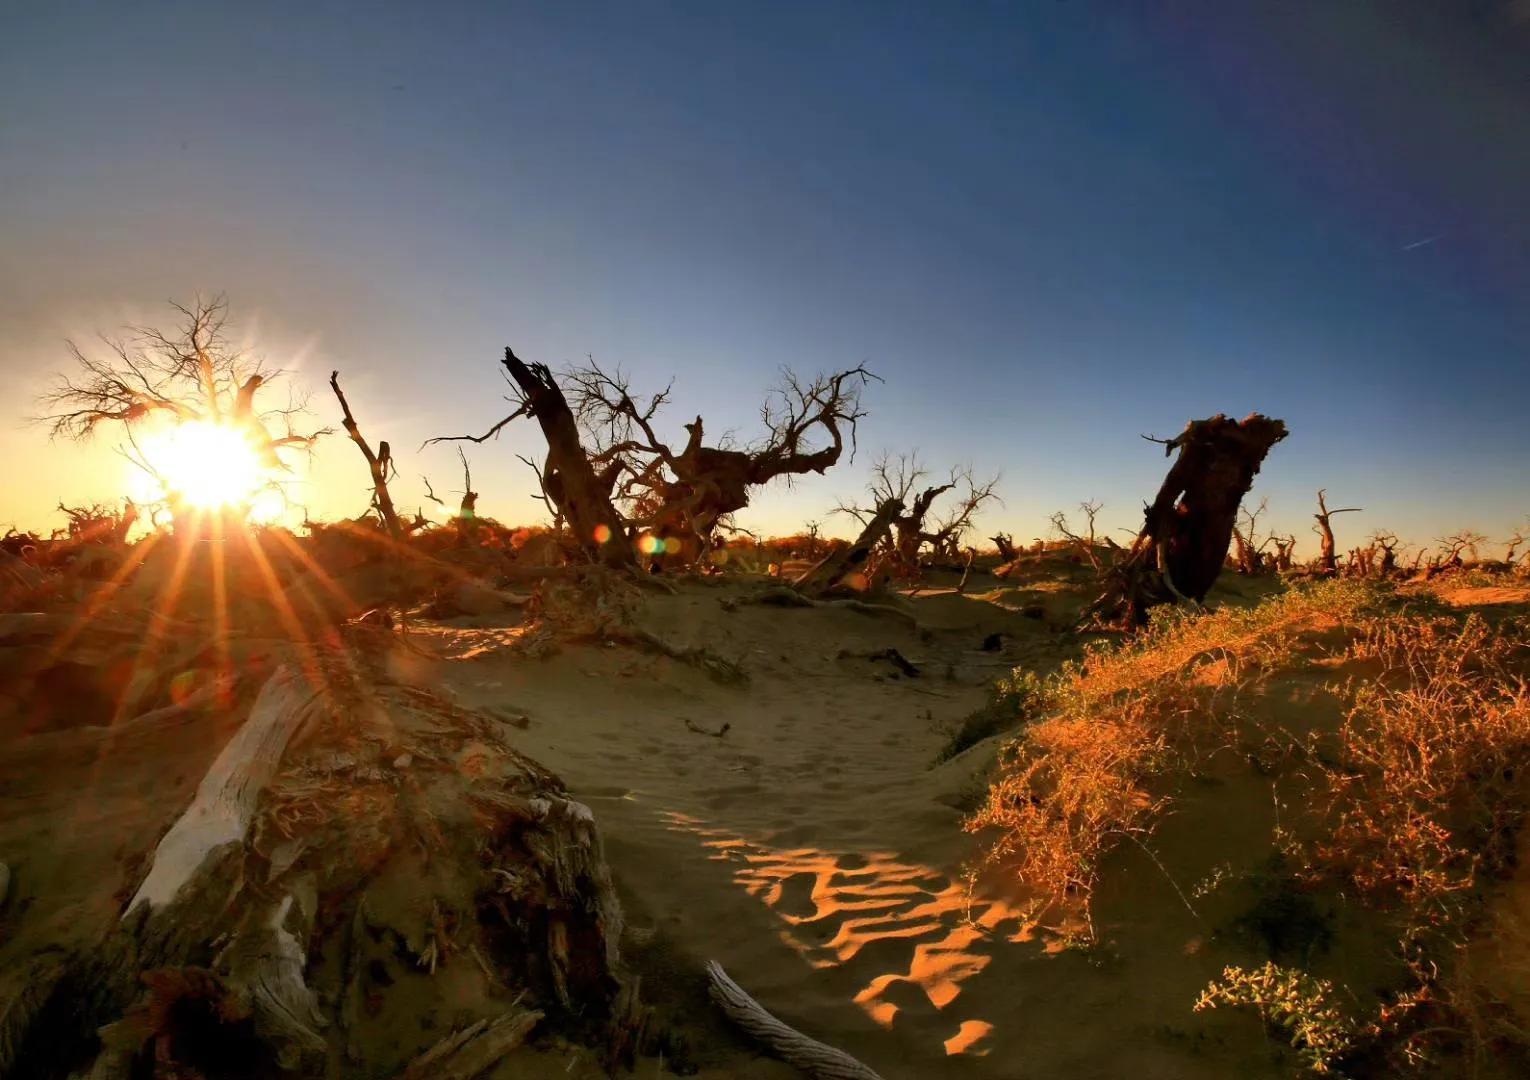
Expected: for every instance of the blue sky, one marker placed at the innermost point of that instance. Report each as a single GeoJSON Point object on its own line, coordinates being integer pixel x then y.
{"type": "Point", "coordinates": [1049, 228]}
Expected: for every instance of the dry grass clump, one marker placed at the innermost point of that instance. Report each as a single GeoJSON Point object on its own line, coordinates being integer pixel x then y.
{"type": "Point", "coordinates": [1429, 788]}
{"type": "Point", "coordinates": [1421, 800]}
{"type": "Point", "coordinates": [1073, 785]}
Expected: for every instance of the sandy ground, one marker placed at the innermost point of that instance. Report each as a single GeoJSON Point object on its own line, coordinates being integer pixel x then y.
{"type": "Point", "coordinates": [813, 848]}
{"type": "Point", "coordinates": [815, 852]}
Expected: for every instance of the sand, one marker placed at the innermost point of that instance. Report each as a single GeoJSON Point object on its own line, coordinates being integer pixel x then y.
{"type": "Point", "coordinates": [814, 847]}
{"type": "Point", "coordinates": [815, 851]}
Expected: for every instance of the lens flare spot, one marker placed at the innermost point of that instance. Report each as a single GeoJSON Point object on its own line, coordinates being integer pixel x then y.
{"type": "Point", "coordinates": [602, 533]}
{"type": "Point", "coordinates": [182, 686]}
{"type": "Point", "coordinates": [649, 544]}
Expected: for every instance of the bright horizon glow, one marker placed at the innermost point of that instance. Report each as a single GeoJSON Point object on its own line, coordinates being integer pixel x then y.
{"type": "Point", "coordinates": [1001, 210]}
{"type": "Point", "coordinates": [204, 465]}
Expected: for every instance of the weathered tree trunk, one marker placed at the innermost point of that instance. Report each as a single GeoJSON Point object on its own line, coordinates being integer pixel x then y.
{"type": "Point", "coordinates": [352, 838]}
{"type": "Point", "coordinates": [908, 529]}
{"type": "Point", "coordinates": [833, 568]}
{"type": "Point", "coordinates": [1006, 545]}
{"type": "Point", "coordinates": [1189, 525]}
{"type": "Point", "coordinates": [1328, 563]}
{"type": "Point", "coordinates": [378, 463]}
{"type": "Point", "coordinates": [571, 483]}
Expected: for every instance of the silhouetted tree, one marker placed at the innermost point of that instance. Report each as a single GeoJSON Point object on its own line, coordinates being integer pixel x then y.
{"type": "Point", "coordinates": [685, 494]}
{"type": "Point", "coordinates": [190, 373]}
{"type": "Point", "coordinates": [1327, 562]}
{"type": "Point", "coordinates": [569, 478]}
{"type": "Point", "coordinates": [1188, 526]}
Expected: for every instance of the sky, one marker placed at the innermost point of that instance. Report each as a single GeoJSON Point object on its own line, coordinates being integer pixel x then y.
{"type": "Point", "coordinates": [1049, 227]}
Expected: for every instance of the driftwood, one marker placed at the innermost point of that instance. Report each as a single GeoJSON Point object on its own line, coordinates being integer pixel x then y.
{"type": "Point", "coordinates": [813, 1058]}
{"type": "Point", "coordinates": [474, 1050]}
{"type": "Point", "coordinates": [225, 802]}
{"type": "Point", "coordinates": [1188, 527]}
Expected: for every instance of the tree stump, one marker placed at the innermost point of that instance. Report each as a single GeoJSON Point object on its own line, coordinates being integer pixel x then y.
{"type": "Point", "coordinates": [1189, 525]}
{"type": "Point", "coordinates": [355, 837]}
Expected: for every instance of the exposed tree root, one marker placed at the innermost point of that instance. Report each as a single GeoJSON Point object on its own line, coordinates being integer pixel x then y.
{"type": "Point", "coordinates": [813, 1058]}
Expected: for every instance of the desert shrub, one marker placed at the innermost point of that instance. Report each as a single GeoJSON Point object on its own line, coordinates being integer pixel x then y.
{"type": "Point", "coordinates": [1076, 783]}
{"type": "Point", "coordinates": [1293, 1003]}
{"type": "Point", "coordinates": [1014, 699]}
{"type": "Point", "coordinates": [1428, 791]}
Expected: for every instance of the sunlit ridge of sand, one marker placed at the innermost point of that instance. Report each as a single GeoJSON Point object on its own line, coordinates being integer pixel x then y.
{"type": "Point", "coordinates": [873, 897]}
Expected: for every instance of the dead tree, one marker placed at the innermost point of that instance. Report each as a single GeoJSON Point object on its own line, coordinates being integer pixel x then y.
{"type": "Point", "coordinates": [468, 508]}
{"type": "Point", "coordinates": [1086, 544]}
{"type": "Point", "coordinates": [379, 463]}
{"type": "Point", "coordinates": [1512, 546]}
{"type": "Point", "coordinates": [832, 571]}
{"type": "Point", "coordinates": [569, 478]}
{"type": "Point", "coordinates": [1188, 526]}
{"type": "Point", "coordinates": [1283, 549]}
{"type": "Point", "coordinates": [897, 480]}
{"type": "Point", "coordinates": [1249, 549]}
{"type": "Point", "coordinates": [100, 524]}
{"type": "Point", "coordinates": [1465, 542]}
{"type": "Point", "coordinates": [810, 539]}
{"type": "Point", "coordinates": [1512, 551]}
{"type": "Point", "coordinates": [1005, 544]}
{"type": "Point", "coordinates": [1327, 563]}
{"type": "Point", "coordinates": [190, 374]}
{"type": "Point", "coordinates": [684, 495]}
{"type": "Point", "coordinates": [1385, 543]}
{"type": "Point", "coordinates": [945, 539]}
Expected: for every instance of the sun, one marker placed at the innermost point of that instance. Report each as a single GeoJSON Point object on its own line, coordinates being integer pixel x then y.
{"type": "Point", "coordinates": [206, 465]}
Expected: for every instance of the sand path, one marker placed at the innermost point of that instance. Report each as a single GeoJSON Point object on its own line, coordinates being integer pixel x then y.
{"type": "Point", "coordinates": [812, 849]}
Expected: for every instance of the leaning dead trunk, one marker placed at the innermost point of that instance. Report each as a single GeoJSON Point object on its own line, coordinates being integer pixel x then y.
{"type": "Point", "coordinates": [832, 570]}
{"type": "Point", "coordinates": [1189, 525]}
{"type": "Point", "coordinates": [570, 481]}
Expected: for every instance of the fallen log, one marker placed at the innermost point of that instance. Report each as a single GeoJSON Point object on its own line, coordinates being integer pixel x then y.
{"type": "Point", "coordinates": [225, 802]}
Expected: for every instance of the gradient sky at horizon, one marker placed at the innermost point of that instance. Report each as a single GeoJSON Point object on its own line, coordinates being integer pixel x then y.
{"type": "Point", "coordinates": [1048, 227]}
